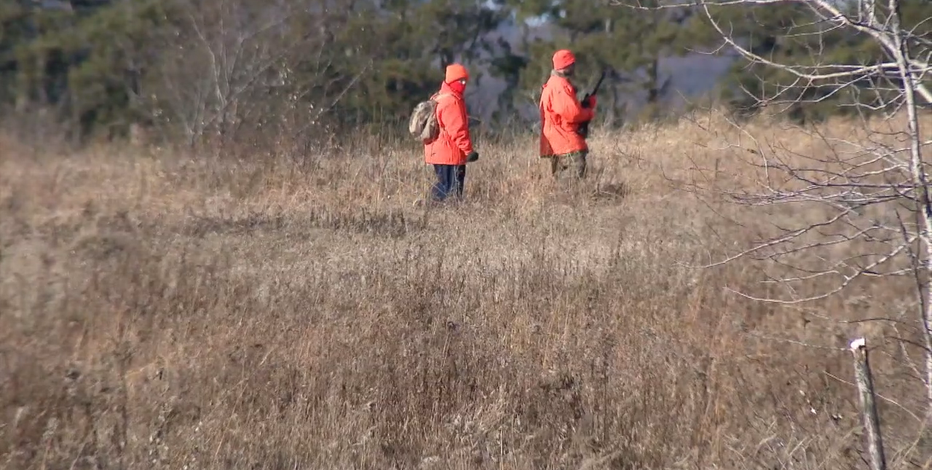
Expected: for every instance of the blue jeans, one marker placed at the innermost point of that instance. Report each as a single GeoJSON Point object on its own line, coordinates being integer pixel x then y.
{"type": "Point", "coordinates": [450, 180]}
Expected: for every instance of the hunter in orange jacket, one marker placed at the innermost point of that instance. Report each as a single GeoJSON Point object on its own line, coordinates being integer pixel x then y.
{"type": "Point", "coordinates": [561, 113]}
{"type": "Point", "coordinates": [453, 144]}
{"type": "Point", "coordinates": [452, 148]}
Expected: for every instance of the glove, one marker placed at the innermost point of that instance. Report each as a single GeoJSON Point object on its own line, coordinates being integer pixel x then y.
{"type": "Point", "coordinates": [473, 156]}
{"type": "Point", "coordinates": [591, 102]}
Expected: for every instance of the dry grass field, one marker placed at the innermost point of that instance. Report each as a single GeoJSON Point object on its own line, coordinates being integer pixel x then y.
{"type": "Point", "coordinates": [272, 309]}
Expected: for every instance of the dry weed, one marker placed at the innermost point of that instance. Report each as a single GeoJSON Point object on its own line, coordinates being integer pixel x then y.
{"type": "Point", "coordinates": [286, 310]}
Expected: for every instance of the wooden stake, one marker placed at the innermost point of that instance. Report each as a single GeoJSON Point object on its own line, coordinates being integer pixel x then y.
{"type": "Point", "coordinates": [862, 374]}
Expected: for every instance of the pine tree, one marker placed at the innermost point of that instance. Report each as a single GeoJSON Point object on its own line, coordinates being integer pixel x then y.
{"type": "Point", "coordinates": [399, 53]}
{"type": "Point", "coordinates": [627, 43]}
{"type": "Point", "coordinates": [791, 34]}
{"type": "Point", "coordinates": [85, 59]}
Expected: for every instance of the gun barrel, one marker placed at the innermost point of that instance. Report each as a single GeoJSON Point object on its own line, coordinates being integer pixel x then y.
{"type": "Point", "coordinates": [598, 83]}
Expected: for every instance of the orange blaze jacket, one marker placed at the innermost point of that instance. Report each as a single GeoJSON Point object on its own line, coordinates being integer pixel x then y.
{"type": "Point", "coordinates": [561, 114]}
{"type": "Point", "coordinates": [453, 143]}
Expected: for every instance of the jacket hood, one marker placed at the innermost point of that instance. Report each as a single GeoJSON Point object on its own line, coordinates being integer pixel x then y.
{"type": "Point", "coordinates": [454, 88]}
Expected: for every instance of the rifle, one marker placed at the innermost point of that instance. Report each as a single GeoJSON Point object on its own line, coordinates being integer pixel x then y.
{"type": "Point", "coordinates": [584, 127]}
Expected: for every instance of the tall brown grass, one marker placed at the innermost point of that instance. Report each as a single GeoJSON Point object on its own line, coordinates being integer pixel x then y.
{"type": "Point", "coordinates": [274, 309]}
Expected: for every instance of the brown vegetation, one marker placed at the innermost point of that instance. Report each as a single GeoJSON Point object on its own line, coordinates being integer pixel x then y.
{"type": "Point", "coordinates": [278, 310]}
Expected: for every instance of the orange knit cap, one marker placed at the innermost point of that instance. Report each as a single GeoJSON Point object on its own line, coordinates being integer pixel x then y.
{"type": "Point", "coordinates": [563, 59]}
{"type": "Point", "coordinates": [456, 72]}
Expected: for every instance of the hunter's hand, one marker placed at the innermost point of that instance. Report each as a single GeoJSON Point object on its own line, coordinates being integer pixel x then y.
{"type": "Point", "coordinates": [473, 156]}
{"type": "Point", "coordinates": [591, 102]}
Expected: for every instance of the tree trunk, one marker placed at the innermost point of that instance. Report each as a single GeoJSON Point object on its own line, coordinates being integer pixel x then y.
{"type": "Point", "coordinates": [920, 182]}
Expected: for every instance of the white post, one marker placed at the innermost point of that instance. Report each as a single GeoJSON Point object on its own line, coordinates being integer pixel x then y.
{"type": "Point", "coordinates": [862, 374]}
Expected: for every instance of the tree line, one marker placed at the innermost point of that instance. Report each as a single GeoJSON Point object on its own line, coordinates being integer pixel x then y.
{"type": "Point", "coordinates": [236, 69]}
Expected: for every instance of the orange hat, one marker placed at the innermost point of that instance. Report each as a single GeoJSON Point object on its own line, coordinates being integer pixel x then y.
{"type": "Point", "coordinates": [563, 59]}
{"type": "Point", "coordinates": [456, 72]}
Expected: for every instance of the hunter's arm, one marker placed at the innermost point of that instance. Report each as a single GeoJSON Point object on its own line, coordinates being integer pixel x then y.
{"type": "Point", "coordinates": [453, 118]}
{"type": "Point", "coordinates": [565, 103]}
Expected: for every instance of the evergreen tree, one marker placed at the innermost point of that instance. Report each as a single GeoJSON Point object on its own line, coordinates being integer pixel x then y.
{"type": "Point", "coordinates": [399, 53]}
{"type": "Point", "coordinates": [627, 43]}
{"type": "Point", "coordinates": [85, 59]}
{"type": "Point", "coordinates": [104, 64]}
{"type": "Point", "coordinates": [791, 34]}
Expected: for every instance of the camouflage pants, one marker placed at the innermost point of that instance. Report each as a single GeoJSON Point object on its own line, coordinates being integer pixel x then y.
{"type": "Point", "coordinates": [560, 163]}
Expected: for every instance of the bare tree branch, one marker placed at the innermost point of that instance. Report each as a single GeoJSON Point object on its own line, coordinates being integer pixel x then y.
{"type": "Point", "coordinates": [829, 13]}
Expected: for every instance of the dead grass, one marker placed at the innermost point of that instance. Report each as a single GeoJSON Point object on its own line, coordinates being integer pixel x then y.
{"type": "Point", "coordinates": [282, 310]}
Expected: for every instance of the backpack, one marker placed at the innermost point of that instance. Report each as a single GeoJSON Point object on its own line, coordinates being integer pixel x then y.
{"type": "Point", "coordinates": [423, 124]}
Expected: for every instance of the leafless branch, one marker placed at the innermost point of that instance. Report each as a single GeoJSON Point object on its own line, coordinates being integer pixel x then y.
{"type": "Point", "coordinates": [829, 13]}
